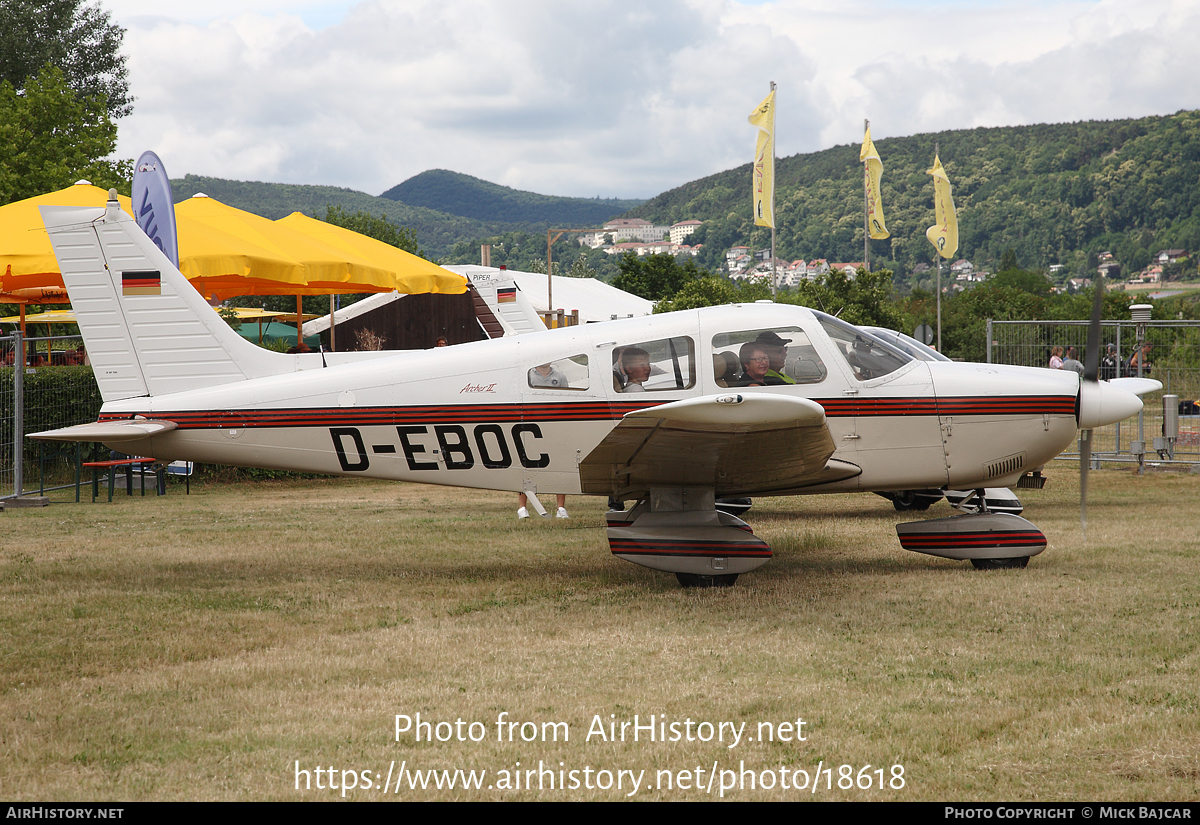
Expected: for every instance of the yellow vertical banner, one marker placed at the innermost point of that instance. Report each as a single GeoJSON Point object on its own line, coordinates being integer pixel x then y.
{"type": "Point", "coordinates": [873, 171]}
{"type": "Point", "coordinates": [944, 234]}
{"type": "Point", "coordinates": [763, 180]}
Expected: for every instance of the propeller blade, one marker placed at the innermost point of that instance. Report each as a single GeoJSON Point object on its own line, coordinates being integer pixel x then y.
{"type": "Point", "coordinates": [1091, 369]}
{"type": "Point", "coordinates": [1091, 358]}
{"type": "Point", "coordinates": [1085, 459]}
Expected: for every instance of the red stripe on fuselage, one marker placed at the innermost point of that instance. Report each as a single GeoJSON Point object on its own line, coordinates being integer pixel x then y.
{"type": "Point", "coordinates": [584, 411]}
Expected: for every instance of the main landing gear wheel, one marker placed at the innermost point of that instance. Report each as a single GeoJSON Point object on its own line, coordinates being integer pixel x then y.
{"type": "Point", "coordinates": [695, 580]}
{"type": "Point", "coordinates": [906, 500]}
{"type": "Point", "coordinates": [1015, 563]}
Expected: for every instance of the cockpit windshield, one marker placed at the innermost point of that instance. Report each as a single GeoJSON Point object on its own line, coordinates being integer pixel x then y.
{"type": "Point", "coordinates": [868, 356]}
{"type": "Point", "coordinates": [907, 343]}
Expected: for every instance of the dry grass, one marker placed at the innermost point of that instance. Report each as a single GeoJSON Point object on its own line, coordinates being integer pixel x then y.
{"type": "Point", "coordinates": [196, 647]}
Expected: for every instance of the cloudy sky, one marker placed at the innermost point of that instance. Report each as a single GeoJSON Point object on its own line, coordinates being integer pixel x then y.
{"type": "Point", "coordinates": [617, 99]}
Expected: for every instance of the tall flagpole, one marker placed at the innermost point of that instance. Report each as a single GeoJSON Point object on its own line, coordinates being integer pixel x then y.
{"type": "Point", "coordinates": [866, 208]}
{"type": "Point", "coordinates": [774, 275]}
{"type": "Point", "coordinates": [937, 261]}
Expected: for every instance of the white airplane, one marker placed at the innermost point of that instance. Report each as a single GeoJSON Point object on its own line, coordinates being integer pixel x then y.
{"type": "Point", "coordinates": [646, 409]}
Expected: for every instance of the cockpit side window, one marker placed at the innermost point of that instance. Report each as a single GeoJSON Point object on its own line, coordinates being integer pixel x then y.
{"type": "Point", "coordinates": [765, 358]}
{"type": "Point", "coordinates": [561, 374]}
{"type": "Point", "coordinates": [867, 356]}
{"type": "Point", "coordinates": [653, 366]}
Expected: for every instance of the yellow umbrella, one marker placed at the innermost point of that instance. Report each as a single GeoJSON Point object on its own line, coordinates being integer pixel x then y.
{"type": "Point", "coordinates": [401, 271]}
{"type": "Point", "coordinates": [26, 258]}
{"type": "Point", "coordinates": [226, 251]}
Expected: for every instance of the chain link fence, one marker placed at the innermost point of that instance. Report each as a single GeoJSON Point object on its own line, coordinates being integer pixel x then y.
{"type": "Point", "coordinates": [1173, 359]}
{"type": "Point", "coordinates": [47, 388]}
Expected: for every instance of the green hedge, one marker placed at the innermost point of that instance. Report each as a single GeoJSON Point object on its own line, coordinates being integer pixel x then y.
{"type": "Point", "coordinates": [54, 397]}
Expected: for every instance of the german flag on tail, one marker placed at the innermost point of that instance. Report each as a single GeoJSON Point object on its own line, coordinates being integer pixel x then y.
{"type": "Point", "coordinates": [141, 283]}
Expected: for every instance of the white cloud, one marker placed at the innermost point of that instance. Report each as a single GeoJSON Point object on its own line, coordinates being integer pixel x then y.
{"type": "Point", "coordinates": [614, 98]}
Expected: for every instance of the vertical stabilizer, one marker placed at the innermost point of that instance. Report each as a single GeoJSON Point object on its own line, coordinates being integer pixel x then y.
{"type": "Point", "coordinates": [147, 330]}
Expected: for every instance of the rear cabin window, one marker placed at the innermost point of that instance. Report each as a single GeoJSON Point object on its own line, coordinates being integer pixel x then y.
{"type": "Point", "coordinates": [654, 366]}
{"type": "Point", "coordinates": [561, 374]}
{"type": "Point", "coordinates": [766, 358]}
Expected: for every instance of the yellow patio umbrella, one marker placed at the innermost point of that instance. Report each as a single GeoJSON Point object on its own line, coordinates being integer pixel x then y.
{"type": "Point", "coordinates": [400, 271]}
{"type": "Point", "coordinates": [226, 251]}
{"type": "Point", "coordinates": [27, 260]}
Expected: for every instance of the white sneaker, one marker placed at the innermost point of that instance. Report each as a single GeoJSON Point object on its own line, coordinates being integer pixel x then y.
{"type": "Point", "coordinates": [562, 513]}
{"type": "Point", "coordinates": [522, 513]}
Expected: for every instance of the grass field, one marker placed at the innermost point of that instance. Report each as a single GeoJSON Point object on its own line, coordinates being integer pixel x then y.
{"type": "Point", "coordinates": [211, 646]}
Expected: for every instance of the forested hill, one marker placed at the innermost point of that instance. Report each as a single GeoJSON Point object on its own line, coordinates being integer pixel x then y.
{"type": "Point", "coordinates": [435, 231]}
{"type": "Point", "coordinates": [1052, 193]}
{"type": "Point", "coordinates": [508, 210]}
{"type": "Point", "coordinates": [468, 197]}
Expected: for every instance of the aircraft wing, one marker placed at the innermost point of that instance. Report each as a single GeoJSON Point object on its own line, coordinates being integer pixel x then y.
{"type": "Point", "coordinates": [108, 431]}
{"type": "Point", "coordinates": [739, 444]}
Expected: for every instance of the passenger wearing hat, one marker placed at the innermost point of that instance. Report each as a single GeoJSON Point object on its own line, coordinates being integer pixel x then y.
{"type": "Point", "coordinates": [776, 349]}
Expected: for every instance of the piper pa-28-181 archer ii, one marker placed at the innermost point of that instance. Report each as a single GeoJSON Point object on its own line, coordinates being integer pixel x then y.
{"type": "Point", "coordinates": [671, 411]}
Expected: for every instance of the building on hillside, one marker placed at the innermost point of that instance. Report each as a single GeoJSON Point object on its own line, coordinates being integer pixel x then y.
{"type": "Point", "coordinates": [1170, 256]}
{"type": "Point", "coordinates": [636, 230]}
{"type": "Point", "coordinates": [817, 267]}
{"type": "Point", "coordinates": [683, 229]}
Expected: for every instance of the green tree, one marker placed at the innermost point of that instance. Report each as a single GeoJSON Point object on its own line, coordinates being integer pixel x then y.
{"type": "Point", "coordinates": [865, 298]}
{"type": "Point", "coordinates": [655, 277]}
{"type": "Point", "coordinates": [713, 291]}
{"type": "Point", "coordinates": [581, 269]}
{"type": "Point", "coordinates": [381, 229]}
{"type": "Point", "coordinates": [75, 36]}
{"type": "Point", "coordinates": [1034, 283]}
{"type": "Point", "coordinates": [50, 137]}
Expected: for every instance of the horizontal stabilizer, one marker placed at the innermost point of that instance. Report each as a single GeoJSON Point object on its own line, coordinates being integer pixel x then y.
{"type": "Point", "coordinates": [108, 431]}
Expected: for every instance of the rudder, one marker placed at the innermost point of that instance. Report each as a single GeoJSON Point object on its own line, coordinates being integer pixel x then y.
{"type": "Point", "coordinates": [147, 330]}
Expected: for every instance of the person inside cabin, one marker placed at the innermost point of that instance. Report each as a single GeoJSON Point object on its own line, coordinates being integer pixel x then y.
{"type": "Point", "coordinates": [776, 348]}
{"type": "Point", "coordinates": [755, 365]}
{"type": "Point", "coordinates": [620, 379]}
{"type": "Point", "coordinates": [635, 363]}
{"type": "Point", "coordinates": [547, 375]}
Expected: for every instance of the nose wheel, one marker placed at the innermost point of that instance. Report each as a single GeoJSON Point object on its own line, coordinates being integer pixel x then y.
{"type": "Point", "coordinates": [693, 580]}
{"type": "Point", "coordinates": [1017, 563]}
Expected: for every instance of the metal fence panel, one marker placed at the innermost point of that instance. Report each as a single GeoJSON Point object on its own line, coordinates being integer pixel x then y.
{"type": "Point", "coordinates": [1174, 360]}
{"type": "Point", "coordinates": [51, 391]}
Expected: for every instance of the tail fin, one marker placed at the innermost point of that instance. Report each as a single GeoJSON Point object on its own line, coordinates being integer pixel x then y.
{"type": "Point", "coordinates": [147, 330]}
